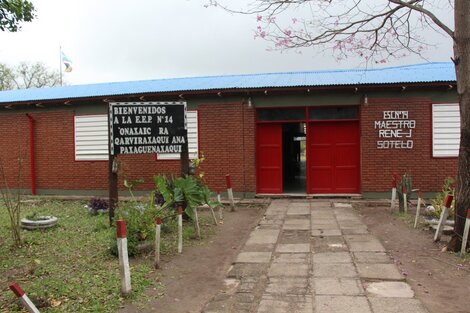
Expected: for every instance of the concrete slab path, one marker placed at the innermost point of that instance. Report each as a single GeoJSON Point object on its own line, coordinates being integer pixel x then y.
{"type": "Point", "coordinates": [314, 256]}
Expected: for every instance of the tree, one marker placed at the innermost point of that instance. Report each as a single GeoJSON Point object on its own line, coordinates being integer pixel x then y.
{"type": "Point", "coordinates": [376, 30]}
{"type": "Point", "coordinates": [27, 75]}
{"type": "Point", "coordinates": [13, 12]}
{"type": "Point", "coordinates": [12, 200]}
{"type": "Point", "coordinates": [6, 78]}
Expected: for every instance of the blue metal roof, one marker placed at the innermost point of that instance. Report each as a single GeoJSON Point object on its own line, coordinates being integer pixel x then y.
{"type": "Point", "coordinates": [419, 73]}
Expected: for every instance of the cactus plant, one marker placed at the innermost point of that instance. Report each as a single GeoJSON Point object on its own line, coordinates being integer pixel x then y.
{"type": "Point", "coordinates": [404, 186]}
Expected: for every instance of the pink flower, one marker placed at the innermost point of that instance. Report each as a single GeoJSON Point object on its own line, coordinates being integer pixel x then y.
{"type": "Point", "coordinates": [288, 32]}
{"type": "Point", "coordinates": [294, 20]}
{"type": "Point", "coordinates": [259, 18]}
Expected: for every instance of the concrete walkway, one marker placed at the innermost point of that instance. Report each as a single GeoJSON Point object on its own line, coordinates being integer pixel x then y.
{"type": "Point", "coordinates": [314, 256]}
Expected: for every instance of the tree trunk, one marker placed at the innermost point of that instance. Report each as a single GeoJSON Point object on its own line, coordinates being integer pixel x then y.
{"type": "Point", "coordinates": [462, 68]}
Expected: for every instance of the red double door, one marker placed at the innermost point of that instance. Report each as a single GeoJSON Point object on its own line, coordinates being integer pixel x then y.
{"type": "Point", "coordinates": [333, 158]}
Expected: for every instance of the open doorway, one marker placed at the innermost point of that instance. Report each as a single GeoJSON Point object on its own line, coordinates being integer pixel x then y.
{"type": "Point", "coordinates": [294, 157]}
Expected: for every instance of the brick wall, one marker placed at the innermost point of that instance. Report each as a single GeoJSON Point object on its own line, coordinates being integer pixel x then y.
{"type": "Point", "coordinates": [227, 139]}
{"type": "Point", "coordinates": [14, 142]}
{"type": "Point", "coordinates": [226, 135]}
{"type": "Point", "coordinates": [56, 167]}
{"type": "Point", "coordinates": [378, 165]}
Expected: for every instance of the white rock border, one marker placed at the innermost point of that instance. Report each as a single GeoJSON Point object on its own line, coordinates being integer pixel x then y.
{"type": "Point", "coordinates": [42, 223]}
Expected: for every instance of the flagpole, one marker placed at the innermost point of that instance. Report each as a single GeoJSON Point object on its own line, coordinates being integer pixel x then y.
{"type": "Point", "coordinates": [60, 64]}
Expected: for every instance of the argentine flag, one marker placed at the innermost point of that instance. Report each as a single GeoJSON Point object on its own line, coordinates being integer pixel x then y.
{"type": "Point", "coordinates": [67, 63]}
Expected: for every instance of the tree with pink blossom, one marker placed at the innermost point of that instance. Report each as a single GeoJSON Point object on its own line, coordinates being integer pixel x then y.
{"type": "Point", "coordinates": [375, 31]}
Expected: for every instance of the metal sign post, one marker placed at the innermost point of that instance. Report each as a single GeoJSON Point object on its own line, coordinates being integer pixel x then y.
{"type": "Point", "coordinates": [112, 173]}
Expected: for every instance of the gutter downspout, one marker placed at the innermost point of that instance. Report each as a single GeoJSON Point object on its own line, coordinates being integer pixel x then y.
{"type": "Point", "coordinates": [32, 154]}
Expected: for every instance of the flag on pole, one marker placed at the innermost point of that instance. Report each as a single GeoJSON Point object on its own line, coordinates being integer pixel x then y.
{"type": "Point", "coordinates": [67, 62]}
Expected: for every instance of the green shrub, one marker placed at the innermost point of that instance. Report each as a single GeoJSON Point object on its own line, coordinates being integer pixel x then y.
{"type": "Point", "coordinates": [438, 201]}
{"type": "Point", "coordinates": [140, 224]}
{"type": "Point", "coordinates": [185, 191]}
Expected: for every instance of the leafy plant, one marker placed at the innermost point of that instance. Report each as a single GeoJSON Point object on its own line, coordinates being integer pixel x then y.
{"type": "Point", "coordinates": [438, 201]}
{"type": "Point", "coordinates": [185, 191]}
{"type": "Point", "coordinates": [98, 205]}
{"type": "Point", "coordinates": [196, 163]}
{"type": "Point", "coordinates": [140, 224]}
{"type": "Point", "coordinates": [403, 186]}
{"type": "Point", "coordinates": [140, 218]}
{"type": "Point", "coordinates": [131, 184]}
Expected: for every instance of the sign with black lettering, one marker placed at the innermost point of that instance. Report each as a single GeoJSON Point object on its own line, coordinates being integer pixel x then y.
{"type": "Point", "coordinates": [147, 127]}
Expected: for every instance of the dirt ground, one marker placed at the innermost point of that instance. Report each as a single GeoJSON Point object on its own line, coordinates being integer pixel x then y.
{"type": "Point", "coordinates": [194, 277]}
{"type": "Point", "coordinates": [440, 279]}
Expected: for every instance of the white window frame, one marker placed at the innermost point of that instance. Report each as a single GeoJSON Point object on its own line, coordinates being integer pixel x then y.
{"type": "Point", "coordinates": [445, 130]}
{"type": "Point", "coordinates": [91, 137]}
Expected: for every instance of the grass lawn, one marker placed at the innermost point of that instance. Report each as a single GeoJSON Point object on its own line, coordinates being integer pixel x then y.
{"type": "Point", "coordinates": [69, 268]}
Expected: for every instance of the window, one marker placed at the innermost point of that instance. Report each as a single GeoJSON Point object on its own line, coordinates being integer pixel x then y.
{"type": "Point", "coordinates": [91, 137]}
{"type": "Point", "coordinates": [445, 130]}
{"type": "Point", "coordinates": [193, 143]}
{"type": "Point", "coordinates": [284, 114]}
{"type": "Point", "coordinates": [333, 113]}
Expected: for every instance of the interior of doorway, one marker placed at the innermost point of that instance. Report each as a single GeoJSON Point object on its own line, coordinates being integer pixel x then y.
{"type": "Point", "coordinates": [294, 158]}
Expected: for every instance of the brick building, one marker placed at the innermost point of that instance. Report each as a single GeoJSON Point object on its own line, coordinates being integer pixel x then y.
{"type": "Point", "coordinates": [341, 132]}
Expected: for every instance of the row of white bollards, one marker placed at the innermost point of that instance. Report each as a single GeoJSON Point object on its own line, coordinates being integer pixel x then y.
{"type": "Point", "coordinates": [442, 218]}
{"type": "Point", "coordinates": [121, 234]}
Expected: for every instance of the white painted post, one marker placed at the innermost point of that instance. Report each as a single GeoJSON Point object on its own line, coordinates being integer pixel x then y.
{"type": "Point", "coordinates": [230, 192]}
{"type": "Point", "coordinates": [418, 207]}
{"type": "Point", "coordinates": [180, 229]}
{"type": "Point", "coordinates": [443, 218]}
{"type": "Point", "coordinates": [466, 230]}
{"type": "Point", "coordinates": [198, 229]}
{"type": "Point", "coordinates": [221, 208]}
{"type": "Point", "coordinates": [27, 303]}
{"type": "Point", "coordinates": [157, 242]}
{"type": "Point", "coordinates": [123, 257]}
{"type": "Point", "coordinates": [405, 201]}
{"type": "Point", "coordinates": [394, 191]}
{"type": "Point", "coordinates": [213, 216]}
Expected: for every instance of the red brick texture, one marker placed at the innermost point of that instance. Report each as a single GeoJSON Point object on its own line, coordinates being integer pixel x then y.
{"type": "Point", "coordinates": [56, 167]}
{"type": "Point", "coordinates": [227, 139]}
{"type": "Point", "coordinates": [378, 165]}
{"type": "Point", "coordinates": [14, 145]}
{"type": "Point", "coordinates": [226, 135]}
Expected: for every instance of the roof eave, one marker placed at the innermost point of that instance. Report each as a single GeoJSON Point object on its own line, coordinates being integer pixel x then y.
{"type": "Point", "coordinates": [235, 91]}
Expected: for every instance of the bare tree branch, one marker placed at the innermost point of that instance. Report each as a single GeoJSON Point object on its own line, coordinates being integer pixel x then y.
{"type": "Point", "coordinates": [426, 12]}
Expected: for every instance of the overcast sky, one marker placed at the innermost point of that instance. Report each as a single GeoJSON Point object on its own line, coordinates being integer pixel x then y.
{"type": "Point", "coordinates": [121, 40]}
